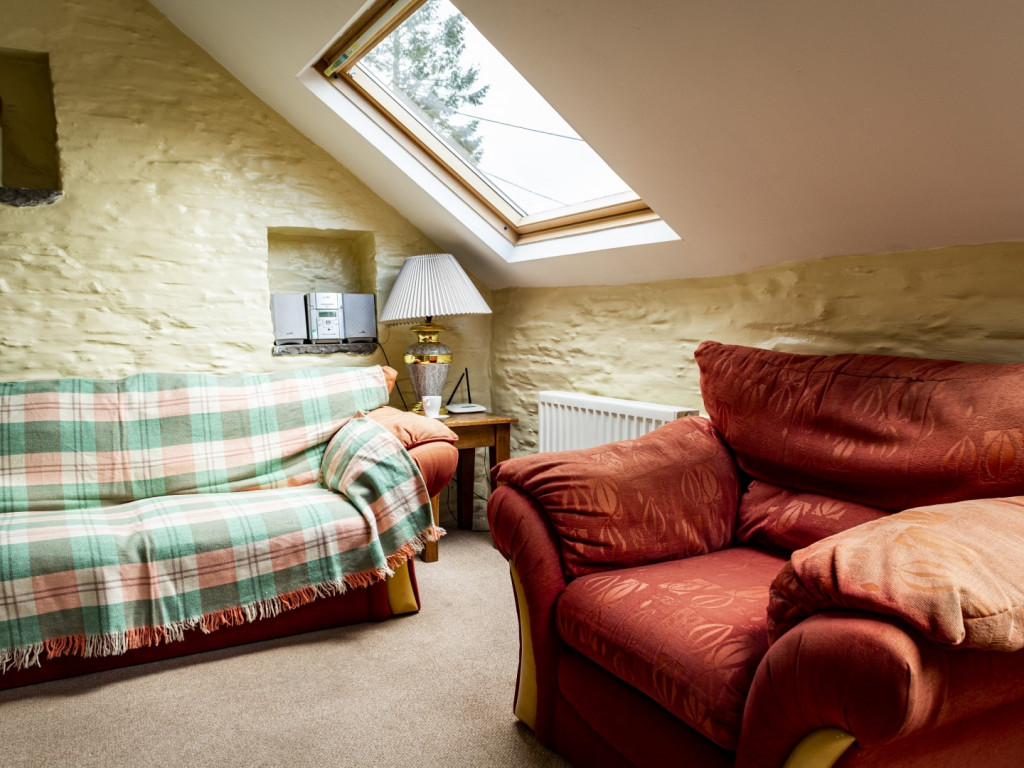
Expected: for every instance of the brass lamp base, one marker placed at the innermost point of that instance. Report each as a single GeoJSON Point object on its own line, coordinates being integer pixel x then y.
{"type": "Point", "coordinates": [427, 363]}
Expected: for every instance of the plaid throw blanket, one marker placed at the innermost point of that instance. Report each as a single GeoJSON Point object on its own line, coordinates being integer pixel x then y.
{"type": "Point", "coordinates": [77, 443]}
{"type": "Point", "coordinates": [100, 578]}
{"type": "Point", "coordinates": [101, 581]}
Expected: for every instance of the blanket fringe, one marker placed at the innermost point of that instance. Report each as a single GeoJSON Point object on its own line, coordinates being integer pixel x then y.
{"type": "Point", "coordinates": [88, 646]}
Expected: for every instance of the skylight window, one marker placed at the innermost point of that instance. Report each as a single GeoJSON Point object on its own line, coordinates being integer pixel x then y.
{"type": "Point", "coordinates": [425, 67]}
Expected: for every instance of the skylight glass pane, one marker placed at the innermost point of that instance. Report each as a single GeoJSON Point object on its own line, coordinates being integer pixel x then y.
{"type": "Point", "coordinates": [447, 74]}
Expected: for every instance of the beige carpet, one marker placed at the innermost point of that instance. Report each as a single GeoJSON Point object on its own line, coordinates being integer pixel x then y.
{"type": "Point", "coordinates": [430, 689]}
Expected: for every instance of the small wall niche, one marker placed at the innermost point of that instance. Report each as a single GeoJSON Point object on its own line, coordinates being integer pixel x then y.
{"type": "Point", "coordinates": [314, 260]}
{"type": "Point", "coordinates": [29, 163]}
{"type": "Point", "coordinates": [307, 261]}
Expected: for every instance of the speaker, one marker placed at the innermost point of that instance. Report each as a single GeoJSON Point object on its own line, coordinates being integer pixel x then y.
{"type": "Point", "coordinates": [288, 314]}
{"type": "Point", "coordinates": [360, 310]}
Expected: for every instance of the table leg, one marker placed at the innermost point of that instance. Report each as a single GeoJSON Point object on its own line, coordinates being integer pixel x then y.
{"type": "Point", "coordinates": [501, 449]}
{"type": "Point", "coordinates": [465, 476]}
{"type": "Point", "coordinates": [430, 548]}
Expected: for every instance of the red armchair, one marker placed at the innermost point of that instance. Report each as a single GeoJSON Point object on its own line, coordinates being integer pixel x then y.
{"type": "Point", "coordinates": [643, 571]}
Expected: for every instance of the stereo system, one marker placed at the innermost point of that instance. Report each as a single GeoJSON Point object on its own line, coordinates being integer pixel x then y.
{"type": "Point", "coordinates": [323, 318]}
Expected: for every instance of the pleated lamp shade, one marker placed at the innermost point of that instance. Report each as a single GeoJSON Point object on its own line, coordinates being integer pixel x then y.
{"type": "Point", "coordinates": [432, 285]}
{"type": "Point", "coordinates": [429, 286]}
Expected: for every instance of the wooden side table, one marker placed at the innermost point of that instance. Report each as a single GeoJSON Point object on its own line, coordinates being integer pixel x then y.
{"type": "Point", "coordinates": [475, 430]}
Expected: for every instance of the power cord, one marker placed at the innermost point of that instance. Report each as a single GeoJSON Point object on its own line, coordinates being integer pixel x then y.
{"type": "Point", "coordinates": [397, 388]}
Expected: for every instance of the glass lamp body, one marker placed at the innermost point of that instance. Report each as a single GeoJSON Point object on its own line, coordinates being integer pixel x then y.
{"type": "Point", "coordinates": [427, 362]}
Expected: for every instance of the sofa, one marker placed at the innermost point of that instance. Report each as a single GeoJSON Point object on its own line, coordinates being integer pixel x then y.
{"type": "Point", "coordinates": [826, 570]}
{"type": "Point", "coordinates": [164, 514]}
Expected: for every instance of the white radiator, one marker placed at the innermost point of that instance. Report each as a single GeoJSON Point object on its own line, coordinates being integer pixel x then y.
{"type": "Point", "coordinates": [569, 420]}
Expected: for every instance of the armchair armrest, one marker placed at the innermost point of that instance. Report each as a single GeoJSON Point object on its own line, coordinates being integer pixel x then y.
{"type": "Point", "coordinates": [523, 535]}
{"type": "Point", "coordinates": [877, 679]}
{"type": "Point", "coordinates": [668, 494]}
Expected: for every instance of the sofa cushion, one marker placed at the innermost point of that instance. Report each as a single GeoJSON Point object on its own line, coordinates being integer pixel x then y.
{"type": "Point", "coordinates": [954, 572]}
{"type": "Point", "coordinates": [411, 428]}
{"type": "Point", "coordinates": [688, 633]}
{"type": "Point", "coordinates": [670, 493]}
{"type": "Point", "coordinates": [80, 443]}
{"type": "Point", "coordinates": [887, 432]}
{"type": "Point", "coordinates": [791, 520]}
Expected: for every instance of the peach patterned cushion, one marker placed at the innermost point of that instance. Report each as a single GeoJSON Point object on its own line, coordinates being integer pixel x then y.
{"type": "Point", "coordinates": [688, 633]}
{"type": "Point", "coordinates": [411, 428]}
{"type": "Point", "coordinates": [955, 572]}
{"type": "Point", "coordinates": [791, 520]}
{"type": "Point", "coordinates": [887, 432]}
{"type": "Point", "coordinates": [671, 493]}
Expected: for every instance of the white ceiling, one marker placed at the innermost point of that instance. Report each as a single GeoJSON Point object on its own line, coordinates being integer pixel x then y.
{"type": "Point", "coordinates": [762, 133]}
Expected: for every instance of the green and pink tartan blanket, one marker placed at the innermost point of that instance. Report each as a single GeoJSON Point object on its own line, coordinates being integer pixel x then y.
{"type": "Point", "coordinates": [134, 510]}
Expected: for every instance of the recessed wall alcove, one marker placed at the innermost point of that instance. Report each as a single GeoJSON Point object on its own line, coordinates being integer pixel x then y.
{"type": "Point", "coordinates": [316, 260]}
{"type": "Point", "coordinates": [29, 163]}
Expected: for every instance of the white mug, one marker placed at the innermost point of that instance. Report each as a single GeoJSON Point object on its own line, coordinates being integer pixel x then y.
{"type": "Point", "coordinates": [432, 406]}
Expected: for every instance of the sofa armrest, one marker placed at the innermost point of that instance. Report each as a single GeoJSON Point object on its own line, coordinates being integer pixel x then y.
{"type": "Point", "coordinates": [428, 441]}
{"type": "Point", "coordinates": [671, 493]}
{"type": "Point", "coordinates": [437, 463]}
{"type": "Point", "coordinates": [522, 533]}
{"type": "Point", "coordinates": [873, 677]}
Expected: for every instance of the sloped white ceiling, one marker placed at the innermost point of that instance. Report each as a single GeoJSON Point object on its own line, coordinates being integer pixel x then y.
{"type": "Point", "coordinates": [762, 133]}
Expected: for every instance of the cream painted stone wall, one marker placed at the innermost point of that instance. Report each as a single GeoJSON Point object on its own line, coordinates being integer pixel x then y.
{"type": "Point", "coordinates": [173, 175]}
{"type": "Point", "coordinates": [637, 341]}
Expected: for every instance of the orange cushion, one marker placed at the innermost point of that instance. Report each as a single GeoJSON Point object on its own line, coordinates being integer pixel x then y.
{"type": "Point", "coordinates": [688, 633]}
{"type": "Point", "coordinates": [411, 428]}
{"type": "Point", "coordinates": [671, 493]}
{"type": "Point", "coordinates": [955, 572]}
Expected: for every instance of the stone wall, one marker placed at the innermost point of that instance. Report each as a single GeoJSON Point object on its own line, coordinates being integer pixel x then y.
{"type": "Point", "coordinates": [175, 176]}
{"type": "Point", "coordinates": [637, 341]}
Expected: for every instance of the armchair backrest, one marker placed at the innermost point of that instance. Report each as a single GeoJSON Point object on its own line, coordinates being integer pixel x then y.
{"type": "Point", "coordinates": [887, 432]}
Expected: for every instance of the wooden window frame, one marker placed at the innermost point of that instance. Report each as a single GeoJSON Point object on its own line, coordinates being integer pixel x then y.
{"type": "Point", "coordinates": [337, 66]}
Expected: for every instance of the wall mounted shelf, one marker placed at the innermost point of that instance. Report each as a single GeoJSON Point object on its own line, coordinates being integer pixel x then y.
{"type": "Point", "coordinates": [20, 197]}
{"type": "Point", "coordinates": [358, 348]}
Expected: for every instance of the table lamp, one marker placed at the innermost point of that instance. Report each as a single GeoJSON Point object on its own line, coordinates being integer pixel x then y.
{"type": "Point", "coordinates": [429, 286]}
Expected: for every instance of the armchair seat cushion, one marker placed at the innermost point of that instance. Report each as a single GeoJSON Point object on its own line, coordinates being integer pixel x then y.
{"type": "Point", "coordinates": [688, 633]}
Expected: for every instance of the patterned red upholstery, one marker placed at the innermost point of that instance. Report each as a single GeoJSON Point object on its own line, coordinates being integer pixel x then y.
{"type": "Point", "coordinates": [888, 432]}
{"type": "Point", "coordinates": [634, 502]}
{"type": "Point", "coordinates": [791, 520]}
{"type": "Point", "coordinates": [649, 631]}
{"type": "Point", "coordinates": [688, 633]}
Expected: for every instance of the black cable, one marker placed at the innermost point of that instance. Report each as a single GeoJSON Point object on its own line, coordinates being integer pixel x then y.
{"type": "Point", "coordinates": [398, 389]}
{"type": "Point", "coordinates": [455, 389]}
